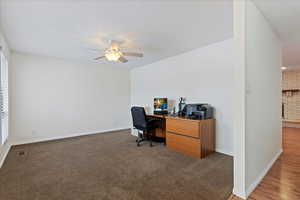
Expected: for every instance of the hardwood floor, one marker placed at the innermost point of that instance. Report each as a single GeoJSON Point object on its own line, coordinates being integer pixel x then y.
{"type": "Point", "coordinates": [233, 197]}
{"type": "Point", "coordinates": [282, 182]}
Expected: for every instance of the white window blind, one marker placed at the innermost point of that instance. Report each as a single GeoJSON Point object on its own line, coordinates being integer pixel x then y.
{"type": "Point", "coordinates": [4, 97]}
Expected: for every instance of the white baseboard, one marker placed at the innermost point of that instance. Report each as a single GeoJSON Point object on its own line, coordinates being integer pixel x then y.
{"type": "Point", "coordinates": [34, 140]}
{"type": "Point", "coordinates": [224, 152]}
{"type": "Point", "coordinates": [262, 175]}
{"type": "Point", "coordinates": [3, 153]}
{"type": "Point", "coordinates": [238, 194]}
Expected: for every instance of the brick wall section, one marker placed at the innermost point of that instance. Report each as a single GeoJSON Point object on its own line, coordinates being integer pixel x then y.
{"type": "Point", "coordinates": [291, 80]}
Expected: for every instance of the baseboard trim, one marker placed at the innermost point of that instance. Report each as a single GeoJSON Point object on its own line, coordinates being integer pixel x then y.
{"type": "Point", "coordinates": [224, 152]}
{"type": "Point", "coordinates": [34, 140]}
{"type": "Point", "coordinates": [239, 195]}
{"type": "Point", "coordinates": [4, 152]}
{"type": "Point", "coordinates": [262, 175]}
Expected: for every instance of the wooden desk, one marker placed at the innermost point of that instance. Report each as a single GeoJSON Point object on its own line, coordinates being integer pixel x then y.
{"type": "Point", "coordinates": [189, 136]}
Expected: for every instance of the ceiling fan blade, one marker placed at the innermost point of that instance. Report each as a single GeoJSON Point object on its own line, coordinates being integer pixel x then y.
{"type": "Point", "coordinates": [132, 54]}
{"type": "Point", "coordinates": [123, 60]}
{"type": "Point", "coordinates": [94, 49]}
{"type": "Point", "coordinates": [99, 57]}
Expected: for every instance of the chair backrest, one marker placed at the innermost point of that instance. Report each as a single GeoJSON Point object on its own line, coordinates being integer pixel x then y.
{"type": "Point", "coordinates": [139, 118]}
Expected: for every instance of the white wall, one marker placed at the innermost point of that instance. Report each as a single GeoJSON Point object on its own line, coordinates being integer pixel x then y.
{"type": "Point", "coordinates": [204, 75]}
{"type": "Point", "coordinates": [53, 98]}
{"type": "Point", "coordinates": [258, 115]}
{"type": "Point", "coordinates": [239, 19]}
{"type": "Point", "coordinates": [263, 96]}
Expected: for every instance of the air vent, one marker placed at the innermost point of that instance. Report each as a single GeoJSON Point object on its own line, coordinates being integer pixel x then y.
{"type": "Point", "coordinates": [21, 153]}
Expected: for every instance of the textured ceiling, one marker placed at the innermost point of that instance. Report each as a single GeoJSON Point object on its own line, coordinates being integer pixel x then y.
{"type": "Point", "coordinates": [284, 16]}
{"type": "Point", "coordinates": [159, 29]}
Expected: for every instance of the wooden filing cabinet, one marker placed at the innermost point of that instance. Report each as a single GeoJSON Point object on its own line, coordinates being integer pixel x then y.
{"type": "Point", "coordinates": [191, 137]}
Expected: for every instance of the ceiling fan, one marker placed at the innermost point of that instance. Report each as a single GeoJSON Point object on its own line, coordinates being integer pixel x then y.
{"type": "Point", "coordinates": [113, 53]}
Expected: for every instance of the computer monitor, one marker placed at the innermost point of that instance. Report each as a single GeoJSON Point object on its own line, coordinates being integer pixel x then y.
{"type": "Point", "coordinates": [160, 104]}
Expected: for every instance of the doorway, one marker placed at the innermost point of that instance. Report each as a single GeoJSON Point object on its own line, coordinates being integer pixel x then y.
{"type": "Point", "coordinates": [291, 98]}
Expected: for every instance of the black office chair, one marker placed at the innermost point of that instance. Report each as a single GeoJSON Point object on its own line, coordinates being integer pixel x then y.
{"type": "Point", "coordinates": [144, 124]}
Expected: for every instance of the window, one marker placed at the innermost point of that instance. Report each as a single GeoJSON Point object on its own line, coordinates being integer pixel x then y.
{"type": "Point", "coordinates": [4, 97]}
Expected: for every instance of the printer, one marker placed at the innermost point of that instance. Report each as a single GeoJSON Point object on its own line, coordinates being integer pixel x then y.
{"type": "Point", "coordinates": [197, 111]}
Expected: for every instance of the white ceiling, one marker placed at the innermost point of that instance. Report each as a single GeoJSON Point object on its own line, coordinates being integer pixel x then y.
{"type": "Point", "coordinates": [159, 29]}
{"type": "Point", "coordinates": [284, 15]}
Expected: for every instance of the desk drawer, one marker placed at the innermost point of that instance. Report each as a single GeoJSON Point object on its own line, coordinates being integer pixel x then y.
{"type": "Point", "coordinates": [183, 144]}
{"type": "Point", "coordinates": [183, 127]}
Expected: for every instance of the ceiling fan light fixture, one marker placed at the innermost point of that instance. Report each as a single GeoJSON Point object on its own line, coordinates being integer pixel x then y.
{"type": "Point", "coordinates": [113, 54]}
{"type": "Point", "coordinates": [283, 68]}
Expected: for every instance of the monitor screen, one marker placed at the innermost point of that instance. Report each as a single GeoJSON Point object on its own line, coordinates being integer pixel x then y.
{"type": "Point", "coordinates": [160, 103]}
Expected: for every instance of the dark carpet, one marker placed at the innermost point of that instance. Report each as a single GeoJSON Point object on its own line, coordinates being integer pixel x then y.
{"type": "Point", "coordinates": [110, 166]}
